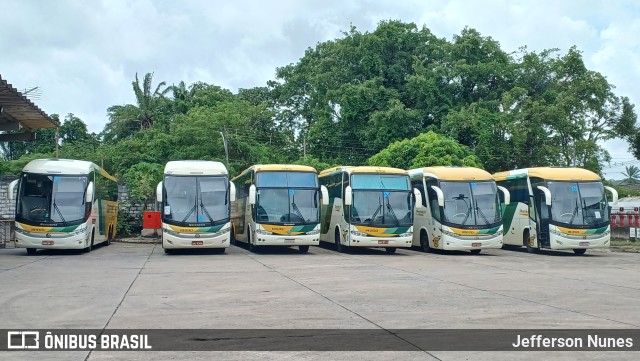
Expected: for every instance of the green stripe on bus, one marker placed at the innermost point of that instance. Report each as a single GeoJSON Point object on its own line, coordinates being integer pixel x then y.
{"type": "Point", "coordinates": [396, 230]}
{"type": "Point", "coordinates": [509, 213]}
{"type": "Point", "coordinates": [305, 228]}
{"type": "Point", "coordinates": [597, 230]}
{"type": "Point", "coordinates": [211, 229]}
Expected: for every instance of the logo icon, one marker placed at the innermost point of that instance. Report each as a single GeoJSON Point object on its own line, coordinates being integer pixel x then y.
{"type": "Point", "coordinates": [21, 340]}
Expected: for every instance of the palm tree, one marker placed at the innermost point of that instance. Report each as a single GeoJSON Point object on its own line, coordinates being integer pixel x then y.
{"type": "Point", "coordinates": [632, 175]}
{"type": "Point", "coordinates": [125, 120]}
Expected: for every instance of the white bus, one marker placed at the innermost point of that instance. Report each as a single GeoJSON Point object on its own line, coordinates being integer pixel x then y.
{"type": "Point", "coordinates": [278, 205]}
{"type": "Point", "coordinates": [556, 208]}
{"type": "Point", "coordinates": [368, 207]}
{"type": "Point", "coordinates": [195, 198]}
{"type": "Point", "coordinates": [461, 209]}
{"type": "Point", "coordinates": [64, 204]}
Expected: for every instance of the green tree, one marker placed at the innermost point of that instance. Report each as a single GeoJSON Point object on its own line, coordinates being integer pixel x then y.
{"type": "Point", "coordinates": [141, 181]}
{"type": "Point", "coordinates": [631, 175]}
{"type": "Point", "coordinates": [427, 149]}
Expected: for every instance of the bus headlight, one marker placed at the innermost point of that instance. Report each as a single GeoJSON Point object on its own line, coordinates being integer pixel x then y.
{"type": "Point", "coordinates": [221, 232]}
{"type": "Point", "coordinates": [314, 232]}
{"type": "Point", "coordinates": [263, 232]}
{"type": "Point", "coordinates": [448, 233]}
{"type": "Point", "coordinates": [408, 234]}
{"type": "Point", "coordinates": [358, 234]}
{"type": "Point", "coordinates": [556, 232]}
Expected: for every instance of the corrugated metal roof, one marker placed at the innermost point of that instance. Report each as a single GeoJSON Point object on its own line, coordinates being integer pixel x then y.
{"type": "Point", "coordinates": [18, 108]}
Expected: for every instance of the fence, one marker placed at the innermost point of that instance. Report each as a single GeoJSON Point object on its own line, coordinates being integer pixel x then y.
{"type": "Point", "coordinates": [7, 231]}
{"type": "Point", "coordinates": [625, 224]}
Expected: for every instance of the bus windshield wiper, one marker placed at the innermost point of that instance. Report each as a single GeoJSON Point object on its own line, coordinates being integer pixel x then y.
{"type": "Point", "coordinates": [55, 206]}
{"type": "Point", "coordinates": [204, 209]}
{"type": "Point", "coordinates": [376, 212]}
{"type": "Point", "coordinates": [486, 221]}
{"type": "Point", "coordinates": [392, 212]}
{"type": "Point", "coordinates": [192, 209]}
{"type": "Point", "coordinates": [295, 208]}
{"type": "Point", "coordinates": [575, 213]}
{"type": "Point", "coordinates": [466, 216]}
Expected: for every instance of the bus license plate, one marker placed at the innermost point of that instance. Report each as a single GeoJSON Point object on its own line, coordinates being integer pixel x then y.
{"type": "Point", "coordinates": [584, 244]}
{"type": "Point", "coordinates": [289, 240]}
{"type": "Point", "coordinates": [47, 243]}
{"type": "Point", "coordinates": [476, 244]}
{"type": "Point", "coordinates": [383, 241]}
{"type": "Point", "coordinates": [196, 243]}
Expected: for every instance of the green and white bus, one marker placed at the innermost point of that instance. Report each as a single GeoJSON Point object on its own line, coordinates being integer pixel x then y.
{"type": "Point", "coordinates": [195, 197]}
{"type": "Point", "coordinates": [368, 207]}
{"type": "Point", "coordinates": [461, 209]}
{"type": "Point", "coordinates": [278, 205]}
{"type": "Point", "coordinates": [556, 208]}
{"type": "Point", "coordinates": [64, 204]}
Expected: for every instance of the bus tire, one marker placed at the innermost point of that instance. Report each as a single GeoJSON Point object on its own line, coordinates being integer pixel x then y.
{"type": "Point", "coordinates": [168, 251]}
{"type": "Point", "coordinates": [475, 251]}
{"type": "Point", "coordinates": [109, 232]}
{"type": "Point", "coordinates": [424, 242]}
{"type": "Point", "coordinates": [232, 236]}
{"type": "Point", "coordinates": [31, 251]}
{"type": "Point", "coordinates": [252, 247]}
{"type": "Point", "coordinates": [579, 251]}
{"type": "Point", "coordinates": [527, 242]}
{"type": "Point", "coordinates": [339, 247]}
{"type": "Point", "coordinates": [303, 249]}
{"type": "Point", "coordinates": [390, 250]}
{"type": "Point", "coordinates": [90, 247]}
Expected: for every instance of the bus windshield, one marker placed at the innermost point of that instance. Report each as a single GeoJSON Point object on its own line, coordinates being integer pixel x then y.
{"type": "Point", "coordinates": [52, 198]}
{"type": "Point", "coordinates": [287, 205]}
{"type": "Point", "coordinates": [196, 200]}
{"type": "Point", "coordinates": [578, 203]}
{"type": "Point", "coordinates": [384, 208]}
{"type": "Point", "coordinates": [471, 203]}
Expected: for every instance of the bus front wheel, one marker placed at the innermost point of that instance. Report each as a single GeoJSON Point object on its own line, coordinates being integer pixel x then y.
{"type": "Point", "coordinates": [475, 251]}
{"type": "Point", "coordinates": [303, 249]}
{"type": "Point", "coordinates": [579, 251]}
{"type": "Point", "coordinates": [390, 250]}
{"type": "Point", "coordinates": [526, 239]}
{"type": "Point", "coordinates": [339, 246]}
{"type": "Point", "coordinates": [424, 242]}
{"type": "Point", "coordinates": [90, 247]}
{"type": "Point", "coordinates": [252, 247]}
{"type": "Point", "coordinates": [31, 251]}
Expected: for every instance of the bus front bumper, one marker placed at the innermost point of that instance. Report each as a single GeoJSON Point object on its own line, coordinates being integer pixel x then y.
{"type": "Point", "coordinates": [285, 240]}
{"type": "Point", "coordinates": [559, 242]}
{"type": "Point", "coordinates": [386, 242]}
{"type": "Point", "coordinates": [451, 243]}
{"type": "Point", "coordinates": [194, 240]}
{"type": "Point", "coordinates": [41, 241]}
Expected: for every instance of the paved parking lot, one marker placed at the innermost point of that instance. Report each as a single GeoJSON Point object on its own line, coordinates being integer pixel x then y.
{"type": "Point", "coordinates": [138, 286]}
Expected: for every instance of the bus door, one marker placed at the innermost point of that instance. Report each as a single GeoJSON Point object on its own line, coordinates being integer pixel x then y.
{"type": "Point", "coordinates": [543, 214]}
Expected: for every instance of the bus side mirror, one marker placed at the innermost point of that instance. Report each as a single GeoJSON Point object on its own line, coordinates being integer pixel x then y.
{"type": "Point", "coordinates": [159, 192]}
{"type": "Point", "coordinates": [547, 195]}
{"type": "Point", "coordinates": [507, 195]}
{"type": "Point", "coordinates": [614, 195]}
{"type": "Point", "coordinates": [418, 195]}
{"type": "Point", "coordinates": [232, 191]}
{"type": "Point", "coordinates": [439, 194]}
{"type": "Point", "coordinates": [11, 189]}
{"type": "Point", "coordinates": [348, 196]}
{"type": "Point", "coordinates": [88, 196]}
{"type": "Point", "coordinates": [252, 194]}
{"type": "Point", "coordinates": [325, 195]}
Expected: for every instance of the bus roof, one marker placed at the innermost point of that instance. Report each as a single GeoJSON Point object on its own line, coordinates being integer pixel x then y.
{"type": "Point", "coordinates": [363, 169]}
{"type": "Point", "coordinates": [277, 167]}
{"type": "Point", "coordinates": [550, 173]}
{"type": "Point", "coordinates": [63, 166]}
{"type": "Point", "coordinates": [452, 173]}
{"type": "Point", "coordinates": [195, 167]}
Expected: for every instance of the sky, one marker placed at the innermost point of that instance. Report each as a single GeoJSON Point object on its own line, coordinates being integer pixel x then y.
{"type": "Point", "coordinates": [83, 55]}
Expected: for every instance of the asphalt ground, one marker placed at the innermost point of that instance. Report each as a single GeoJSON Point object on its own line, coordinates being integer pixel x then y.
{"type": "Point", "coordinates": [138, 286]}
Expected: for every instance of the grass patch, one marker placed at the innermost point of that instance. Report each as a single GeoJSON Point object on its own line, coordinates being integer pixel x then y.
{"type": "Point", "coordinates": [625, 245]}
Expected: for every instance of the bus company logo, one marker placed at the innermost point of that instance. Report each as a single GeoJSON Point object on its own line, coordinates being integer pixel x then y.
{"type": "Point", "coordinates": [23, 340]}
{"type": "Point", "coordinates": [48, 235]}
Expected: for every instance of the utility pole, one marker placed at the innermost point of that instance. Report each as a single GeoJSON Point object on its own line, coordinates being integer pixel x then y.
{"type": "Point", "coordinates": [226, 150]}
{"type": "Point", "coordinates": [304, 147]}
{"type": "Point", "coordinates": [57, 141]}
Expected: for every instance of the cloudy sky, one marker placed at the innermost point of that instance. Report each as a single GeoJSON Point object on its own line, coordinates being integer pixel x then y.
{"type": "Point", "coordinates": [83, 55]}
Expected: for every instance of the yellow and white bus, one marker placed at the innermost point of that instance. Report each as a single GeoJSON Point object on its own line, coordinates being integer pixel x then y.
{"type": "Point", "coordinates": [64, 204]}
{"type": "Point", "coordinates": [556, 208]}
{"type": "Point", "coordinates": [461, 209]}
{"type": "Point", "coordinates": [195, 199]}
{"type": "Point", "coordinates": [368, 207]}
{"type": "Point", "coordinates": [278, 205]}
